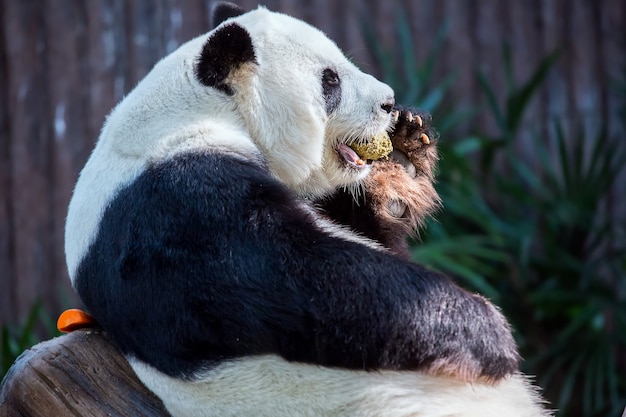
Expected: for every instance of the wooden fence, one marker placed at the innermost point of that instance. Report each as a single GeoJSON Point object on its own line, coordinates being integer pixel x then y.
{"type": "Point", "coordinates": [65, 63]}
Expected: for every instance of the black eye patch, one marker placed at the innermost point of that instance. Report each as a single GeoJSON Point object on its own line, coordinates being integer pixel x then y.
{"type": "Point", "coordinates": [331, 90]}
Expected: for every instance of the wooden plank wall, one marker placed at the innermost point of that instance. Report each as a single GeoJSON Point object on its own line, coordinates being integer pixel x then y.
{"type": "Point", "coordinates": [65, 63]}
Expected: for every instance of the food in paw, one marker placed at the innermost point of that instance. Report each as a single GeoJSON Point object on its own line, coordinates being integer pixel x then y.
{"type": "Point", "coordinates": [378, 147]}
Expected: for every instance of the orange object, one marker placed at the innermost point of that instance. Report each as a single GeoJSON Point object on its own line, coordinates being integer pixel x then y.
{"type": "Point", "coordinates": [74, 319]}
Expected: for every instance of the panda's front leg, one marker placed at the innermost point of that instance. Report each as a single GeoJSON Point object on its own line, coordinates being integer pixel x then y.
{"type": "Point", "coordinates": [399, 193]}
{"type": "Point", "coordinates": [414, 142]}
{"type": "Point", "coordinates": [400, 189]}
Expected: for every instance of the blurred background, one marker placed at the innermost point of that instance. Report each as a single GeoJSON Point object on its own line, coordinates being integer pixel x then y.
{"type": "Point", "coordinates": [530, 101]}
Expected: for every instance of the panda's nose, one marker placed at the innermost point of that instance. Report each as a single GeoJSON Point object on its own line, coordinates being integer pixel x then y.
{"type": "Point", "coordinates": [388, 104]}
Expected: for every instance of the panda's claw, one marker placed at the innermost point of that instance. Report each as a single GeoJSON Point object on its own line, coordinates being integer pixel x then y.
{"type": "Point", "coordinates": [413, 137]}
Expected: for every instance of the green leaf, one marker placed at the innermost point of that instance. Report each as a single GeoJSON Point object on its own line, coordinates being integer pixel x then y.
{"type": "Point", "coordinates": [492, 103]}
{"type": "Point", "coordinates": [570, 380]}
{"type": "Point", "coordinates": [518, 101]}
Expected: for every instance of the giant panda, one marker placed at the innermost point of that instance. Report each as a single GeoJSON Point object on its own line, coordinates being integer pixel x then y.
{"type": "Point", "coordinates": [204, 234]}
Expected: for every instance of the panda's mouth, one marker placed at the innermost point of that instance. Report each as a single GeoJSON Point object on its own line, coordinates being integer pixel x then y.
{"type": "Point", "coordinates": [351, 157]}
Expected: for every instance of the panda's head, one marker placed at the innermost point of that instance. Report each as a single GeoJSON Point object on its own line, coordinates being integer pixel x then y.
{"type": "Point", "coordinates": [261, 84]}
{"type": "Point", "coordinates": [301, 100]}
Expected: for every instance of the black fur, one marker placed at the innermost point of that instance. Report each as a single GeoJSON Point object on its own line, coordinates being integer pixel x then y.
{"type": "Point", "coordinates": [224, 10]}
{"type": "Point", "coordinates": [205, 257]}
{"type": "Point", "coordinates": [225, 50]}
{"type": "Point", "coordinates": [355, 212]}
{"type": "Point", "coordinates": [331, 90]}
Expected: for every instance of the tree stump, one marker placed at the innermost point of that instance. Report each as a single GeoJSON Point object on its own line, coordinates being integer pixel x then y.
{"type": "Point", "coordinates": [78, 374]}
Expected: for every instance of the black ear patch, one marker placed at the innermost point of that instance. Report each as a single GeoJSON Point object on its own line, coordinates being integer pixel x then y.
{"type": "Point", "coordinates": [224, 10]}
{"type": "Point", "coordinates": [224, 51]}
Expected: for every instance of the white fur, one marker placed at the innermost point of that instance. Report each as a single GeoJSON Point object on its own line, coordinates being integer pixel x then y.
{"type": "Point", "coordinates": [283, 108]}
{"type": "Point", "coordinates": [339, 231]}
{"type": "Point", "coordinates": [267, 386]}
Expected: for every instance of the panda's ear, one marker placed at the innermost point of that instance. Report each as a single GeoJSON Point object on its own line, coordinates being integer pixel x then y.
{"type": "Point", "coordinates": [224, 10]}
{"type": "Point", "coordinates": [225, 51]}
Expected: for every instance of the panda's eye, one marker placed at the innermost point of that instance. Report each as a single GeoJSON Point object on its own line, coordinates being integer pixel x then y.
{"type": "Point", "coordinates": [331, 89]}
{"type": "Point", "coordinates": [330, 77]}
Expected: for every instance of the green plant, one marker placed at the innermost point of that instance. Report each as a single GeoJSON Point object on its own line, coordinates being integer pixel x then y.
{"type": "Point", "coordinates": [16, 339]}
{"type": "Point", "coordinates": [416, 84]}
{"type": "Point", "coordinates": [543, 247]}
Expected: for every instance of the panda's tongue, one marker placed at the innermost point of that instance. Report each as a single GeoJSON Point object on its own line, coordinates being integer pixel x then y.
{"type": "Point", "coordinates": [349, 155]}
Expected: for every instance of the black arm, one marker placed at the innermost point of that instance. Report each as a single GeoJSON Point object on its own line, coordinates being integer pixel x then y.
{"type": "Point", "coordinates": [206, 257]}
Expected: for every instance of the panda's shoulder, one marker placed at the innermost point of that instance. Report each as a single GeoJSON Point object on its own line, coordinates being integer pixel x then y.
{"type": "Point", "coordinates": [204, 176]}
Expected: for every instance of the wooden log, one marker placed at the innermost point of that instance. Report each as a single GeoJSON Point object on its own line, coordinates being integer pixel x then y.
{"type": "Point", "coordinates": [78, 374]}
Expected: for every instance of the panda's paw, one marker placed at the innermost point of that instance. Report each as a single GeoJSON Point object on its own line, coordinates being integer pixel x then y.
{"type": "Point", "coordinates": [414, 141]}
{"type": "Point", "coordinates": [401, 187]}
{"type": "Point", "coordinates": [401, 201]}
